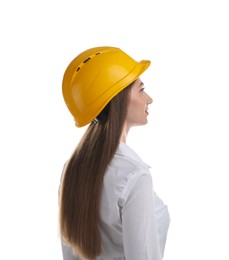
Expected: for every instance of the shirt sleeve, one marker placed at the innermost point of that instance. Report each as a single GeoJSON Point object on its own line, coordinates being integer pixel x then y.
{"type": "Point", "coordinates": [140, 235]}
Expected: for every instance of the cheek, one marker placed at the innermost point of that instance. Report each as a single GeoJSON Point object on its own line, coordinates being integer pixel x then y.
{"type": "Point", "coordinates": [133, 107]}
{"type": "Point", "coordinates": [136, 105]}
{"type": "Point", "coordinates": [135, 110]}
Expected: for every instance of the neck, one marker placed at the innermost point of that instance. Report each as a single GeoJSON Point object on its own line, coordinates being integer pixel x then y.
{"type": "Point", "coordinates": [124, 134]}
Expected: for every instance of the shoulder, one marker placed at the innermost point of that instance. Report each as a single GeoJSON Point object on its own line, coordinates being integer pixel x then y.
{"type": "Point", "coordinates": [128, 157]}
{"type": "Point", "coordinates": [124, 173]}
{"type": "Point", "coordinates": [126, 162]}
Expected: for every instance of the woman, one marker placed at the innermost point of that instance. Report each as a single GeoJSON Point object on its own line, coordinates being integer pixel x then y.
{"type": "Point", "coordinates": [108, 209]}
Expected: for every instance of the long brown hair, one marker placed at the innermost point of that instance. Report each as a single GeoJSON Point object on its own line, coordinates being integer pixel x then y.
{"type": "Point", "coordinates": [82, 180]}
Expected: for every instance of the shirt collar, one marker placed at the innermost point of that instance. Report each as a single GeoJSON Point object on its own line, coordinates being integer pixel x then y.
{"type": "Point", "coordinates": [125, 150]}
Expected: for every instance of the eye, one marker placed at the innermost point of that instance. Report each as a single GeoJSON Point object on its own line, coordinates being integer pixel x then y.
{"type": "Point", "coordinates": [142, 89]}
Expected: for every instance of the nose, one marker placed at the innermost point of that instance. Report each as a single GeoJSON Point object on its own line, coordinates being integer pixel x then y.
{"type": "Point", "coordinates": [149, 99]}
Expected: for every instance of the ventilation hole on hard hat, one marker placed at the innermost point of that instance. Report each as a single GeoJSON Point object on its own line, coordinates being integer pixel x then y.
{"type": "Point", "coordinates": [97, 53]}
{"type": "Point", "coordinates": [78, 69]}
{"type": "Point", "coordinates": [87, 60]}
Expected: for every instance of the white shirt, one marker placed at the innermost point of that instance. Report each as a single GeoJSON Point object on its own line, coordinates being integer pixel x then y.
{"type": "Point", "coordinates": [134, 220]}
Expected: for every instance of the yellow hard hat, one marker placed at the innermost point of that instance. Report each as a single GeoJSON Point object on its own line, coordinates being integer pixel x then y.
{"type": "Point", "coordinates": [94, 77]}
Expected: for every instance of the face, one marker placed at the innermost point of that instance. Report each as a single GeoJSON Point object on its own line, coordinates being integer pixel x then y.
{"type": "Point", "coordinates": [137, 110]}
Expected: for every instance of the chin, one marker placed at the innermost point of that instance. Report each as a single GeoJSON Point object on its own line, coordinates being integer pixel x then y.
{"type": "Point", "coordinates": [145, 121]}
{"type": "Point", "coordinates": [141, 123]}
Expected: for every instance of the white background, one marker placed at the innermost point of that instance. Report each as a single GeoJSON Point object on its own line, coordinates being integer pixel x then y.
{"type": "Point", "coordinates": [186, 141]}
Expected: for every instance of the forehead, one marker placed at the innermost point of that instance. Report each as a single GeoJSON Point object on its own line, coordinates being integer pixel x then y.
{"type": "Point", "coordinates": [138, 83]}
